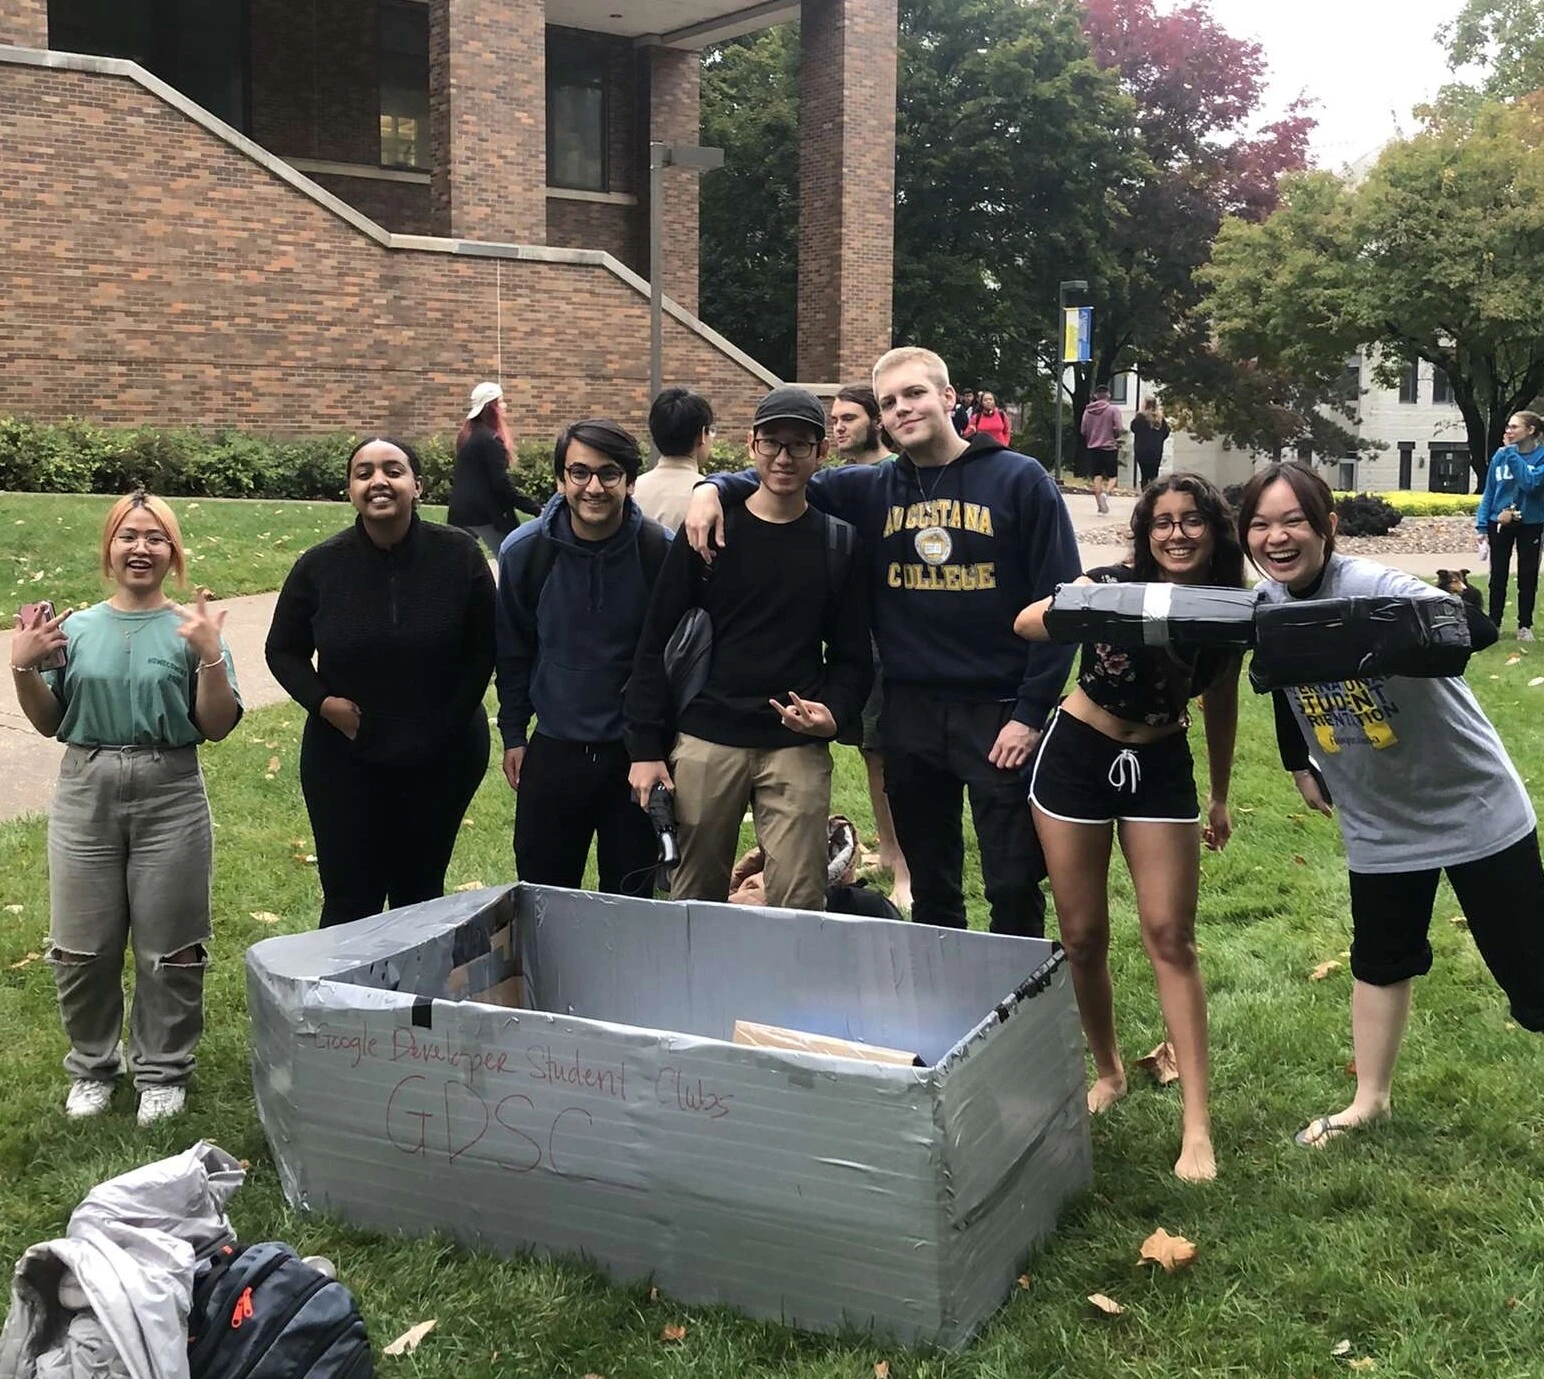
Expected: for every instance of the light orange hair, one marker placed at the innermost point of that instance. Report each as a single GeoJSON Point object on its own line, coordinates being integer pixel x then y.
{"type": "Point", "coordinates": [165, 518]}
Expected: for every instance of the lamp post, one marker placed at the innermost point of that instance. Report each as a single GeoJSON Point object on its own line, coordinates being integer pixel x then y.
{"type": "Point", "coordinates": [662, 156]}
{"type": "Point", "coordinates": [1062, 289]}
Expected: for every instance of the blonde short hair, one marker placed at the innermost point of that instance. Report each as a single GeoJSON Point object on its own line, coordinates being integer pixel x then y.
{"type": "Point", "coordinates": [165, 518]}
{"type": "Point", "coordinates": [937, 370]}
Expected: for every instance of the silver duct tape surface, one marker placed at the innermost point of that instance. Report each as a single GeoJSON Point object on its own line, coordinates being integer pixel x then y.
{"type": "Point", "coordinates": [612, 1119]}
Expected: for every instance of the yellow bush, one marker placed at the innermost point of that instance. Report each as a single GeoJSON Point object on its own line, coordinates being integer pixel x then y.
{"type": "Point", "coordinates": [1413, 503]}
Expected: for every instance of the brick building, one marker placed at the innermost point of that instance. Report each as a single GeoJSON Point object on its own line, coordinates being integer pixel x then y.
{"type": "Point", "coordinates": [299, 216]}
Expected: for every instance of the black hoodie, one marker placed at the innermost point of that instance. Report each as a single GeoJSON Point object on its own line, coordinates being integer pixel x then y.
{"type": "Point", "coordinates": [955, 553]}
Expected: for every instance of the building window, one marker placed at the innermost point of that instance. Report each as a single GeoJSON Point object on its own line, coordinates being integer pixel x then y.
{"type": "Point", "coordinates": [1441, 389]}
{"type": "Point", "coordinates": [1345, 473]}
{"type": "Point", "coordinates": [1350, 390]}
{"type": "Point", "coordinates": [1120, 387]}
{"type": "Point", "coordinates": [1410, 383]}
{"type": "Point", "coordinates": [404, 76]}
{"type": "Point", "coordinates": [576, 116]}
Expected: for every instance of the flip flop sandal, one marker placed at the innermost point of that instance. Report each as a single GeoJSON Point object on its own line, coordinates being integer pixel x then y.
{"type": "Point", "coordinates": [1320, 1132]}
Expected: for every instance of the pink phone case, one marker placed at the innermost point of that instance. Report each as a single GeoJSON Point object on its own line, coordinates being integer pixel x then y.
{"type": "Point", "coordinates": [54, 660]}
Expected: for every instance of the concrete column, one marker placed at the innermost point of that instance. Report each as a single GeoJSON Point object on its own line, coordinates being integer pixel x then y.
{"type": "Point", "coordinates": [24, 23]}
{"type": "Point", "coordinates": [675, 117]}
{"type": "Point", "coordinates": [846, 187]}
{"type": "Point", "coordinates": [488, 119]}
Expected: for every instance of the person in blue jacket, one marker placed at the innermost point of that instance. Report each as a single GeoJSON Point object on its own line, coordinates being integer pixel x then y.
{"type": "Point", "coordinates": [959, 536]}
{"type": "Point", "coordinates": [1511, 513]}
{"type": "Point", "coordinates": [573, 590]}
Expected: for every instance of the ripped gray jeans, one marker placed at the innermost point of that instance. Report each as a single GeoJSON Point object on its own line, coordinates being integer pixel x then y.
{"type": "Point", "coordinates": [129, 860]}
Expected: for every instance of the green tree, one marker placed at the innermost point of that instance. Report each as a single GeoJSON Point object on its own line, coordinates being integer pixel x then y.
{"type": "Point", "coordinates": [1435, 256]}
{"type": "Point", "coordinates": [1501, 42]}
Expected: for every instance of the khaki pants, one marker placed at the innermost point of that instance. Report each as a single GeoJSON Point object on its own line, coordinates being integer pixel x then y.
{"type": "Point", "coordinates": [129, 861]}
{"type": "Point", "coordinates": [789, 792]}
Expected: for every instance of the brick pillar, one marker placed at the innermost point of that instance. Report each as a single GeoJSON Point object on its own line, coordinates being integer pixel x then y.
{"type": "Point", "coordinates": [24, 23]}
{"type": "Point", "coordinates": [846, 187]}
{"type": "Point", "coordinates": [675, 118]}
{"type": "Point", "coordinates": [488, 119]}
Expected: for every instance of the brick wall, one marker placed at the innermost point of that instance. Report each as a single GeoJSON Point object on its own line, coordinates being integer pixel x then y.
{"type": "Point", "coordinates": [674, 83]}
{"type": "Point", "coordinates": [314, 79]}
{"type": "Point", "coordinates": [203, 289]}
{"type": "Point", "coordinates": [846, 186]}
{"type": "Point", "coordinates": [401, 207]}
{"type": "Point", "coordinates": [24, 23]}
{"type": "Point", "coordinates": [488, 119]}
{"type": "Point", "coordinates": [598, 225]}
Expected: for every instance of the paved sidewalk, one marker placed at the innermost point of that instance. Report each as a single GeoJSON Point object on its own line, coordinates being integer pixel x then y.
{"type": "Point", "coordinates": [29, 763]}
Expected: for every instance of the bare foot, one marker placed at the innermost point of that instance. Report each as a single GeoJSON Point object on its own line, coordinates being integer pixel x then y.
{"type": "Point", "coordinates": [1196, 1163]}
{"type": "Point", "coordinates": [900, 887]}
{"type": "Point", "coordinates": [1105, 1092]}
{"type": "Point", "coordinates": [1318, 1133]}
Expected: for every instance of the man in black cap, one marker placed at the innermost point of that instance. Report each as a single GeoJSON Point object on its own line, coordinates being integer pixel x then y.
{"type": "Point", "coordinates": [791, 667]}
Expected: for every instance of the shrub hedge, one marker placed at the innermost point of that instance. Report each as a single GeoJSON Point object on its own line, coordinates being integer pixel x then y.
{"type": "Point", "coordinates": [74, 456]}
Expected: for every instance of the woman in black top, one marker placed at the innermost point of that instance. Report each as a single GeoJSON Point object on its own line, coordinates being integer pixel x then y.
{"type": "Point", "coordinates": [399, 616]}
{"type": "Point", "coordinates": [1149, 430]}
{"type": "Point", "coordinates": [1116, 754]}
{"type": "Point", "coordinates": [483, 498]}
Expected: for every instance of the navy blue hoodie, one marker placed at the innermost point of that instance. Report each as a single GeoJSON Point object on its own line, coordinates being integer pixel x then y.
{"type": "Point", "coordinates": [955, 553]}
{"type": "Point", "coordinates": [568, 658]}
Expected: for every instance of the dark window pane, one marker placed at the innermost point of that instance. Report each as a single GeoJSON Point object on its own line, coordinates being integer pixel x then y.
{"type": "Point", "coordinates": [1120, 387]}
{"type": "Point", "coordinates": [404, 69]}
{"type": "Point", "coordinates": [576, 116]}
{"type": "Point", "coordinates": [1410, 384]}
{"type": "Point", "coordinates": [1441, 389]}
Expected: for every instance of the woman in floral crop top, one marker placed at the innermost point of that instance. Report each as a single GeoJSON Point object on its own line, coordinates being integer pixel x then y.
{"type": "Point", "coordinates": [1116, 760]}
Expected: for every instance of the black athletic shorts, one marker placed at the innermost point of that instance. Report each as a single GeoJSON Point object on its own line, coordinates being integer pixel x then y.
{"type": "Point", "coordinates": [1081, 776]}
{"type": "Point", "coordinates": [1104, 464]}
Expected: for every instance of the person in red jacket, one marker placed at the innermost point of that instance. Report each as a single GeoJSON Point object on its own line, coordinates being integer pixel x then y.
{"type": "Point", "coordinates": [989, 421]}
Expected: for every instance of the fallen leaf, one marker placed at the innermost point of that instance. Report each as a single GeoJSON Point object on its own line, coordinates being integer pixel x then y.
{"type": "Point", "coordinates": [408, 1341]}
{"type": "Point", "coordinates": [1108, 1306]}
{"type": "Point", "coordinates": [1363, 1363]}
{"type": "Point", "coordinates": [309, 858]}
{"type": "Point", "coordinates": [1458, 921]}
{"type": "Point", "coordinates": [273, 763]}
{"type": "Point", "coordinates": [672, 1333]}
{"type": "Point", "coordinates": [653, 1295]}
{"type": "Point", "coordinates": [1024, 1283]}
{"type": "Point", "coordinates": [1536, 682]}
{"type": "Point", "coordinates": [1340, 1348]}
{"type": "Point", "coordinates": [467, 823]}
{"type": "Point", "coordinates": [1323, 970]}
{"type": "Point", "coordinates": [1171, 1251]}
{"type": "Point", "coordinates": [270, 745]}
{"type": "Point", "coordinates": [1299, 859]}
{"type": "Point", "coordinates": [25, 962]}
{"type": "Point", "coordinates": [265, 917]}
{"type": "Point", "coordinates": [1160, 1063]}
{"type": "Point", "coordinates": [1511, 1304]}
{"type": "Point", "coordinates": [13, 909]}
{"type": "Point", "coordinates": [881, 1369]}
{"type": "Point", "coordinates": [1351, 1068]}
{"type": "Point", "coordinates": [1513, 659]}
{"type": "Point", "coordinates": [470, 886]}
{"type": "Point", "coordinates": [1510, 1025]}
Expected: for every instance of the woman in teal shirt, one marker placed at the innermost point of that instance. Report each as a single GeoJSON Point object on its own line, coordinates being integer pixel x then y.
{"type": "Point", "coordinates": [145, 680]}
{"type": "Point", "coordinates": [1511, 514]}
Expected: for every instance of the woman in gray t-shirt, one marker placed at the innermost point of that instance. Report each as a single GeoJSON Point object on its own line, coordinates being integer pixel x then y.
{"type": "Point", "coordinates": [1422, 785]}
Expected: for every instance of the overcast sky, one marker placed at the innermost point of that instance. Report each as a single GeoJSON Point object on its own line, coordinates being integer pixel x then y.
{"type": "Point", "coordinates": [1366, 61]}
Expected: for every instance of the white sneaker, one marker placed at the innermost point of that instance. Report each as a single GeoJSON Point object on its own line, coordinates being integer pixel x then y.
{"type": "Point", "coordinates": [89, 1096]}
{"type": "Point", "coordinates": [156, 1103]}
{"type": "Point", "coordinates": [1525, 634]}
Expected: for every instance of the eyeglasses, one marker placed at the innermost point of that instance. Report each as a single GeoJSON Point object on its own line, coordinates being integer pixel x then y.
{"type": "Point", "coordinates": [609, 475]}
{"type": "Point", "coordinates": [770, 449]}
{"type": "Point", "coordinates": [129, 539]}
{"type": "Point", "coordinates": [1192, 524]}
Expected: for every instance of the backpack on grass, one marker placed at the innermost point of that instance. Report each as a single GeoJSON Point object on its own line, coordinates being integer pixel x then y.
{"type": "Point", "coordinates": [261, 1312]}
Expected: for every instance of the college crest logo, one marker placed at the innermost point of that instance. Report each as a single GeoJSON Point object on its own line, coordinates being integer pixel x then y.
{"type": "Point", "coordinates": [934, 545]}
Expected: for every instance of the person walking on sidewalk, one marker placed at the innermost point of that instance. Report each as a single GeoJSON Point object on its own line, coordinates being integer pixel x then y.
{"type": "Point", "coordinates": [960, 536]}
{"type": "Point", "coordinates": [990, 421]}
{"type": "Point", "coordinates": [1511, 514]}
{"type": "Point", "coordinates": [398, 614]}
{"type": "Point", "coordinates": [483, 496]}
{"type": "Point", "coordinates": [787, 600]}
{"type": "Point", "coordinates": [130, 845]}
{"type": "Point", "coordinates": [573, 590]}
{"type": "Point", "coordinates": [1149, 431]}
{"type": "Point", "coordinates": [1101, 431]}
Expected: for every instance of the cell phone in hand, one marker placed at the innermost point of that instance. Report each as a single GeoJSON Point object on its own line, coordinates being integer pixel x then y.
{"type": "Point", "coordinates": [29, 618]}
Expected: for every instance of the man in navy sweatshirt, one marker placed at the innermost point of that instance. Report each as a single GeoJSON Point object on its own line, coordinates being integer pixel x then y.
{"type": "Point", "coordinates": [573, 590]}
{"type": "Point", "coordinates": [959, 536]}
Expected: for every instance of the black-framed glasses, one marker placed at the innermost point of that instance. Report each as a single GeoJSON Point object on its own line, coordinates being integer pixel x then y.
{"type": "Point", "coordinates": [610, 475]}
{"type": "Point", "coordinates": [1192, 524]}
{"type": "Point", "coordinates": [770, 449]}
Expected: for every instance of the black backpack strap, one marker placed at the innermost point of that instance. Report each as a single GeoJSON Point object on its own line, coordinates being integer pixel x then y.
{"type": "Point", "coordinates": [536, 570]}
{"type": "Point", "coordinates": [653, 547]}
{"type": "Point", "coordinates": [841, 539]}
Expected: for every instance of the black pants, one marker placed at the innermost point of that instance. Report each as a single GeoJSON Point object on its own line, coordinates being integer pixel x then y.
{"type": "Point", "coordinates": [935, 752]}
{"type": "Point", "coordinates": [385, 830]}
{"type": "Point", "coordinates": [1148, 469]}
{"type": "Point", "coordinates": [1502, 896]}
{"type": "Point", "coordinates": [572, 793]}
{"type": "Point", "coordinates": [1525, 536]}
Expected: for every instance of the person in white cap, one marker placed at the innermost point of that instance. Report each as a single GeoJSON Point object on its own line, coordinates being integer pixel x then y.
{"type": "Point", "coordinates": [483, 498]}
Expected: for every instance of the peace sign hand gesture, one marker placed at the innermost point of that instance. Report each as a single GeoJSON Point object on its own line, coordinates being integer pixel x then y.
{"type": "Point", "coordinates": [201, 628]}
{"type": "Point", "coordinates": [806, 716]}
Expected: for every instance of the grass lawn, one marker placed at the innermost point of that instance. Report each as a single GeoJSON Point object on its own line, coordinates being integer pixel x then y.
{"type": "Point", "coordinates": [1421, 1242]}
{"type": "Point", "coordinates": [234, 547]}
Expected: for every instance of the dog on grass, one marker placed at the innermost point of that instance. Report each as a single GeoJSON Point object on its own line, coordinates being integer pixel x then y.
{"type": "Point", "coordinates": [1457, 582]}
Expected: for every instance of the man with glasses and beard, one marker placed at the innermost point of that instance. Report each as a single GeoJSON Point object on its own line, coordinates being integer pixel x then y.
{"type": "Point", "coordinates": [790, 669]}
{"type": "Point", "coordinates": [573, 590]}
